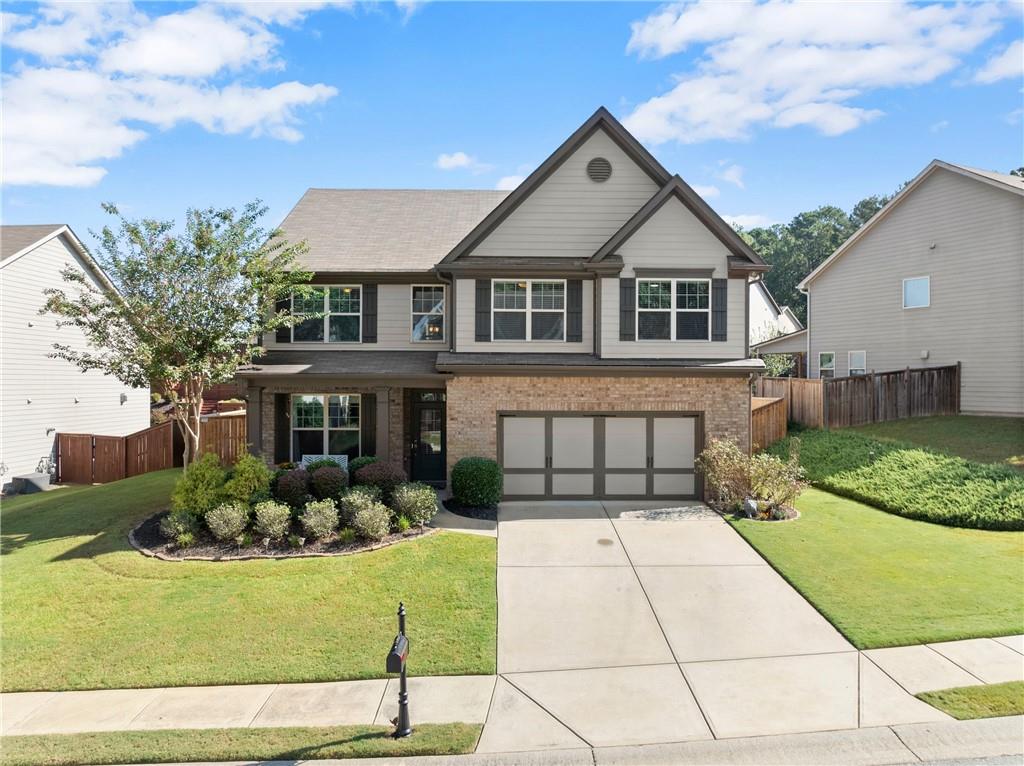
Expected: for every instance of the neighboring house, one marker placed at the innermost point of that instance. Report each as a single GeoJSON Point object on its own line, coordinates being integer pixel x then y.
{"type": "Point", "coordinates": [936, 277]}
{"type": "Point", "coordinates": [43, 396]}
{"type": "Point", "coordinates": [767, 318]}
{"type": "Point", "coordinates": [588, 331]}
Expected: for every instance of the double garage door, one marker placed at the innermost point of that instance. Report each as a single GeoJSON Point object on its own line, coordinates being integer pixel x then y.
{"type": "Point", "coordinates": [599, 455]}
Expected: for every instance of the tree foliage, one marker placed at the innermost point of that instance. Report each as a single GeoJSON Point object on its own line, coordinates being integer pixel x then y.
{"type": "Point", "coordinates": [184, 308]}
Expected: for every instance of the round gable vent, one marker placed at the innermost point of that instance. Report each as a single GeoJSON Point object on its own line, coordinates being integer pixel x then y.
{"type": "Point", "coordinates": [599, 170]}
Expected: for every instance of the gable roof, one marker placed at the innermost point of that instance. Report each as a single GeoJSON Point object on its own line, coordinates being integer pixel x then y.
{"type": "Point", "coordinates": [602, 119]}
{"type": "Point", "coordinates": [386, 230]}
{"type": "Point", "coordinates": [16, 239]}
{"type": "Point", "coordinates": [779, 339]}
{"type": "Point", "coordinates": [677, 188]}
{"type": "Point", "coordinates": [1003, 181]}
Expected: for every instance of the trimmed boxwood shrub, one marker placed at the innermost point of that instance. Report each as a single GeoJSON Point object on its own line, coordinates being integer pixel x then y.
{"type": "Point", "coordinates": [272, 519]}
{"type": "Point", "coordinates": [292, 487]}
{"type": "Point", "coordinates": [201, 486]}
{"type": "Point", "coordinates": [322, 463]}
{"type": "Point", "coordinates": [356, 463]}
{"type": "Point", "coordinates": [319, 519]}
{"type": "Point", "coordinates": [383, 475]}
{"type": "Point", "coordinates": [249, 480]}
{"type": "Point", "coordinates": [354, 500]}
{"type": "Point", "coordinates": [373, 522]}
{"type": "Point", "coordinates": [477, 482]}
{"type": "Point", "coordinates": [227, 521]}
{"type": "Point", "coordinates": [329, 481]}
{"type": "Point", "coordinates": [415, 502]}
{"type": "Point", "coordinates": [911, 481]}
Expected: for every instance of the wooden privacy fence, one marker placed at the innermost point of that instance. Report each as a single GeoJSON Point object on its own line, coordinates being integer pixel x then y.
{"type": "Point", "coordinates": [224, 435]}
{"type": "Point", "coordinates": [767, 420]}
{"type": "Point", "coordinates": [871, 398]}
{"type": "Point", "coordinates": [95, 459]}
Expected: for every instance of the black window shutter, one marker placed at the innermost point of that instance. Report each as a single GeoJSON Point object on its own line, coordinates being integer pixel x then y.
{"type": "Point", "coordinates": [283, 334]}
{"type": "Point", "coordinates": [719, 307]}
{"type": "Point", "coordinates": [627, 309]}
{"type": "Point", "coordinates": [282, 428]}
{"type": "Point", "coordinates": [369, 313]}
{"type": "Point", "coordinates": [368, 425]}
{"type": "Point", "coordinates": [574, 310]}
{"type": "Point", "coordinates": [483, 310]}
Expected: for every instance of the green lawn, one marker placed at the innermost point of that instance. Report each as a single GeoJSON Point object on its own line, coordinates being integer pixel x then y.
{"type": "Point", "coordinates": [884, 580]}
{"type": "Point", "coordinates": [83, 610]}
{"type": "Point", "coordinates": [966, 702]}
{"type": "Point", "coordinates": [982, 439]}
{"type": "Point", "coordinates": [285, 744]}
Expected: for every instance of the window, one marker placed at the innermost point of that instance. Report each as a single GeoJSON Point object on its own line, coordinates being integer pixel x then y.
{"type": "Point", "coordinates": [858, 362]}
{"type": "Point", "coordinates": [673, 309]}
{"type": "Point", "coordinates": [341, 320]}
{"type": "Point", "coordinates": [826, 364]}
{"type": "Point", "coordinates": [528, 310]}
{"type": "Point", "coordinates": [917, 293]}
{"type": "Point", "coordinates": [427, 312]}
{"type": "Point", "coordinates": [325, 424]}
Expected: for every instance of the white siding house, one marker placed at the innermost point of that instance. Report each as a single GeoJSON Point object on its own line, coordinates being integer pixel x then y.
{"type": "Point", "coordinates": [767, 319]}
{"type": "Point", "coordinates": [41, 396]}
{"type": "Point", "coordinates": [934, 278]}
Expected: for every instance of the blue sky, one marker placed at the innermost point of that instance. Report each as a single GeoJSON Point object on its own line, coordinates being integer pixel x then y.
{"type": "Point", "coordinates": [767, 109]}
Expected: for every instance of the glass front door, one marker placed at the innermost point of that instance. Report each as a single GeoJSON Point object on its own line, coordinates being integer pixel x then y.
{"type": "Point", "coordinates": [428, 437]}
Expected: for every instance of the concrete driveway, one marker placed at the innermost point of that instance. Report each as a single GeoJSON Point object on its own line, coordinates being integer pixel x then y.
{"type": "Point", "coordinates": [628, 623]}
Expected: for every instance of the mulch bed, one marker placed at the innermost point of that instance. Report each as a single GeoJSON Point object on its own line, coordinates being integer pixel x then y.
{"type": "Point", "coordinates": [487, 512]}
{"type": "Point", "coordinates": [146, 538]}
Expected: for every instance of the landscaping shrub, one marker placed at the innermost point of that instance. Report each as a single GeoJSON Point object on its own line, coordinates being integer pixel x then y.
{"type": "Point", "coordinates": [201, 486]}
{"type": "Point", "coordinates": [383, 475]}
{"type": "Point", "coordinates": [292, 487]}
{"type": "Point", "coordinates": [403, 524]}
{"type": "Point", "coordinates": [353, 501]}
{"type": "Point", "coordinates": [416, 502]}
{"type": "Point", "coordinates": [322, 463]}
{"type": "Point", "coordinates": [249, 481]}
{"type": "Point", "coordinates": [227, 521]}
{"type": "Point", "coordinates": [372, 522]}
{"type": "Point", "coordinates": [726, 472]}
{"type": "Point", "coordinates": [734, 477]}
{"type": "Point", "coordinates": [178, 523]}
{"type": "Point", "coordinates": [360, 462]}
{"type": "Point", "coordinates": [329, 481]}
{"type": "Point", "coordinates": [272, 519]}
{"type": "Point", "coordinates": [911, 481]}
{"type": "Point", "coordinates": [319, 518]}
{"type": "Point", "coordinates": [347, 535]}
{"type": "Point", "coordinates": [477, 482]}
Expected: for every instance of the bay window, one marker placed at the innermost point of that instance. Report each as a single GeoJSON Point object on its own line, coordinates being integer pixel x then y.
{"type": "Point", "coordinates": [427, 312]}
{"type": "Point", "coordinates": [528, 309]}
{"type": "Point", "coordinates": [673, 309]}
{"type": "Point", "coordinates": [325, 424]}
{"type": "Point", "coordinates": [340, 310]}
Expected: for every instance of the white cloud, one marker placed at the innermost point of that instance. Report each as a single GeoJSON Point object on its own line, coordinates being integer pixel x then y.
{"type": "Point", "coordinates": [1002, 66]}
{"type": "Point", "coordinates": [941, 125]}
{"type": "Point", "coordinates": [460, 161]}
{"type": "Point", "coordinates": [731, 173]}
{"type": "Point", "coordinates": [409, 7]}
{"type": "Point", "coordinates": [508, 183]}
{"type": "Point", "coordinates": [748, 220]}
{"type": "Point", "coordinates": [90, 98]}
{"type": "Point", "coordinates": [284, 12]}
{"type": "Point", "coordinates": [785, 64]}
{"type": "Point", "coordinates": [707, 192]}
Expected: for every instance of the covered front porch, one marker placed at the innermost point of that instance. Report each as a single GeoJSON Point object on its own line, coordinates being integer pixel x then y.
{"type": "Point", "coordinates": [354, 404]}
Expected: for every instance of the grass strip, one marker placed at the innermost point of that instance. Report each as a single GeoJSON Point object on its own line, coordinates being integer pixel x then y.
{"type": "Point", "coordinates": [967, 702]}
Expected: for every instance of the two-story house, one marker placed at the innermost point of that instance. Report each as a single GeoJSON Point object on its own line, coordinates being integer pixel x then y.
{"type": "Point", "coordinates": [588, 330]}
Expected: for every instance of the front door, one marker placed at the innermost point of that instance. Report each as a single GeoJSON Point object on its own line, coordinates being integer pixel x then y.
{"type": "Point", "coordinates": [428, 438]}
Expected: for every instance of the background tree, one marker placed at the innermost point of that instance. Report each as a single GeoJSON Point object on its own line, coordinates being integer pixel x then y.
{"type": "Point", "coordinates": [187, 308]}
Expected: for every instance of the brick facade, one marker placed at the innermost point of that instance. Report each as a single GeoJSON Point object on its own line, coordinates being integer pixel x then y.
{"type": "Point", "coordinates": [474, 401]}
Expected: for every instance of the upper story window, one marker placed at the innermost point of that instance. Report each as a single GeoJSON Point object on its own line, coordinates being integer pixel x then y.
{"type": "Point", "coordinates": [917, 292]}
{"type": "Point", "coordinates": [673, 309]}
{"type": "Point", "coordinates": [427, 312]}
{"type": "Point", "coordinates": [341, 307]}
{"type": "Point", "coordinates": [528, 309]}
{"type": "Point", "coordinates": [826, 364]}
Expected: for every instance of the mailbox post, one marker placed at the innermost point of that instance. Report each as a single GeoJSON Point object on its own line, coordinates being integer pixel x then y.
{"type": "Point", "coordinates": [396, 664]}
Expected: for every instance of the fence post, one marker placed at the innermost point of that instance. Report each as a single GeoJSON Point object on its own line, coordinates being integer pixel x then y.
{"type": "Point", "coordinates": [956, 390]}
{"type": "Point", "coordinates": [824, 403]}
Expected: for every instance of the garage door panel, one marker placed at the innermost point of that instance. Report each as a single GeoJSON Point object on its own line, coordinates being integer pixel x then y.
{"type": "Point", "coordinates": [625, 442]}
{"type": "Point", "coordinates": [524, 484]}
{"type": "Point", "coordinates": [523, 443]}
{"type": "Point", "coordinates": [572, 442]}
{"type": "Point", "coordinates": [625, 484]}
{"type": "Point", "coordinates": [673, 484]}
{"type": "Point", "coordinates": [572, 484]}
{"type": "Point", "coordinates": [674, 442]}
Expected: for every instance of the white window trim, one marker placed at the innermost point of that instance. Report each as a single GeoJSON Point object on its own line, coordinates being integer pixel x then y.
{"type": "Point", "coordinates": [849, 363]}
{"type": "Point", "coordinates": [673, 310]}
{"type": "Point", "coordinates": [904, 296]}
{"type": "Point", "coordinates": [328, 314]}
{"type": "Point", "coordinates": [528, 311]}
{"type": "Point", "coordinates": [832, 368]}
{"type": "Point", "coordinates": [443, 313]}
{"type": "Point", "coordinates": [327, 420]}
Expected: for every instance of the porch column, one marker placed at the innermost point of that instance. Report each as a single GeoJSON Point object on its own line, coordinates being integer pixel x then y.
{"type": "Point", "coordinates": [254, 420]}
{"type": "Point", "coordinates": [383, 422]}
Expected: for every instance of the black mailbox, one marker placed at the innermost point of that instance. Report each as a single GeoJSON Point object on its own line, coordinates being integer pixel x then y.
{"type": "Point", "coordinates": [398, 654]}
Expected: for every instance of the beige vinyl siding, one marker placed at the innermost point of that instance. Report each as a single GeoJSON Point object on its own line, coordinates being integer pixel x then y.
{"type": "Point", "coordinates": [976, 269]}
{"type": "Point", "coordinates": [39, 393]}
{"type": "Point", "coordinates": [570, 215]}
{"type": "Point", "coordinates": [465, 336]}
{"type": "Point", "coordinates": [791, 344]}
{"type": "Point", "coordinates": [394, 325]}
{"type": "Point", "coordinates": [673, 238]}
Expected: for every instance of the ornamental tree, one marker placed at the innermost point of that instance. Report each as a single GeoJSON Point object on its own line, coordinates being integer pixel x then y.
{"type": "Point", "coordinates": [183, 309]}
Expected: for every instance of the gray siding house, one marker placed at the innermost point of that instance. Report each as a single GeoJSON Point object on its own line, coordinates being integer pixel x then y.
{"type": "Point", "coordinates": [934, 278]}
{"type": "Point", "coordinates": [588, 330]}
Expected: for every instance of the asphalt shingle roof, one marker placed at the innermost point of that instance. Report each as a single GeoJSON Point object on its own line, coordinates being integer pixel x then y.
{"type": "Point", "coordinates": [14, 239]}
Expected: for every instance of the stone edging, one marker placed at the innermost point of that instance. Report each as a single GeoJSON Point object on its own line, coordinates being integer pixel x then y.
{"type": "Point", "coordinates": [426, 532]}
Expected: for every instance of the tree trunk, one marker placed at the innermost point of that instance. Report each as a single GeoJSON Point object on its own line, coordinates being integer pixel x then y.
{"type": "Point", "coordinates": [187, 415]}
